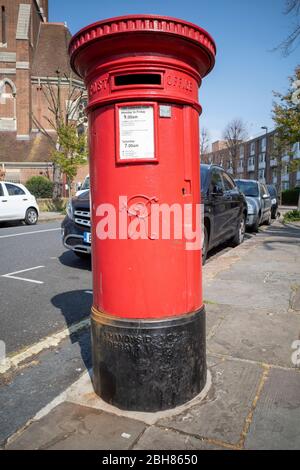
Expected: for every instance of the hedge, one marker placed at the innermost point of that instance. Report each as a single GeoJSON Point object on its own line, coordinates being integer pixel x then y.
{"type": "Point", "coordinates": [40, 187]}
{"type": "Point", "coordinates": [290, 197]}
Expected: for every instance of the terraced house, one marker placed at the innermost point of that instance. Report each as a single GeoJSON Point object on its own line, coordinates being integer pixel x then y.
{"type": "Point", "coordinates": [33, 52]}
{"type": "Point", "coordinates": [256, 159]}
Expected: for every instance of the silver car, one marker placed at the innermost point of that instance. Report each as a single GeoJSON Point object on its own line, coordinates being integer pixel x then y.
{"type": "Point", "coordinates": [258, 202]}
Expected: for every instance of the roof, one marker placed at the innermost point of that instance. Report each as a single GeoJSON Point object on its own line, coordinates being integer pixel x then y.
{"type": "Point", "coordinates": [37, 149]}
{"type": "Point", "coordinates": [51, 53]}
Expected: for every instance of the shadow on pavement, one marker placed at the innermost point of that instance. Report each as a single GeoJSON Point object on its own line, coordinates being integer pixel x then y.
{"type": "Point", "coordinates": [285, 234]}
{"type": "Point", "coordinates": [224, 247]}
{"type": "Point", "coordinates": [76, 306]}
{"type": "Point", "coordinates": [68, 258]}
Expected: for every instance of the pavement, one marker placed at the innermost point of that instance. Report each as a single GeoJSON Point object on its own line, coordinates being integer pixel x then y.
{"type": "Point", "coordinates": [51, 216]}
{"type": "Point", "coordinates": [252, 398]}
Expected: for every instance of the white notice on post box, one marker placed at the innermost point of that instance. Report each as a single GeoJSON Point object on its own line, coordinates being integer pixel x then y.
{"type": "Point", "coordinates": [136, 132]}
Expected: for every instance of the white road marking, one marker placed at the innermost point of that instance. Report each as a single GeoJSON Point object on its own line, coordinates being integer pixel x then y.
{"type": "Point", "coordinates": [88, 292]}
{"type": "Point", "coordinates": [29, 233]}
{"type": "Point", "coordinates": [46, 343]}
{"type": "Point", "coordinates": [12, 275]}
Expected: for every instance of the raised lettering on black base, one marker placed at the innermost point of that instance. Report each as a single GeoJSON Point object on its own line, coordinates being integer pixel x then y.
{"type": "Point", "coordinates": [149, 365]}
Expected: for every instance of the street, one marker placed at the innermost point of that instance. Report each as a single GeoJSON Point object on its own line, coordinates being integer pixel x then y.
{"type": "Point", "coordinates": [44, 289]}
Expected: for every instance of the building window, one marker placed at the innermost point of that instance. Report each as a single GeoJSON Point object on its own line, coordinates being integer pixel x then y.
{"type": "Point", "coordinates": [285, 185]}
{"type": "Point", "coordinates": [3, 26]}
{"type": "Point", "coordinates": [7, 105]}
{"type": "Point", "coordinates": [241, 151]}
{"type": "Point", "coordinates": [250, 161]}
{"type": "Point", "coordinates": [264, 144]}
{"type": "Point", "coordinates": [252, 148]}
{"type": "Point", "coordinates": [285, 169]}
{"type": "Point", "coordinates": [262, 158]}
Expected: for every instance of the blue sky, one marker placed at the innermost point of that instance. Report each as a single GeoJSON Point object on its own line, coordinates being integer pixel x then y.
{"type": "Point", "coordinates": [245, 31]}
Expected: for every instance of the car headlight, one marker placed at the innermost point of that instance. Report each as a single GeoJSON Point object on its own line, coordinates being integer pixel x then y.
{"type": "Point", "coordinates": [274, 201]}
{"type": "Point", "coordinates": [70, 210]}
{"type": "Point", "coordinates": [250, 209]}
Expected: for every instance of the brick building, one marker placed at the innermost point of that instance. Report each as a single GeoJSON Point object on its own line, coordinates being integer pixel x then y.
{"type": "Point", "coordinates": [33, 53]}
{"type": "Point", "coordinates": [256, 160]}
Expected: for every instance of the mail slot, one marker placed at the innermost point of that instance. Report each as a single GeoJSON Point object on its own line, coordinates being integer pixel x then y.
{"type": "Point", "coordinates": [143, 74]}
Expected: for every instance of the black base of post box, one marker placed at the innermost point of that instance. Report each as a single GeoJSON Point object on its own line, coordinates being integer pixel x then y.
{"type": "Point", "coordinates": [148, 366]}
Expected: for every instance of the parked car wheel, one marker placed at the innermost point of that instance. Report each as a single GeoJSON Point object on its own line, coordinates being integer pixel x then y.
{"type": "Point", "coordinates": [240, 232]}
{"type": "Point", "coordinates": [256, 224]}
{"type": "Point", "coordinates": [274, 213]}
{"type": "Point", "coordinates": [269, 219]}
{"type": "Point", "coordinates": [204, 246]}
{"type": "Point", "coordinates": [31, 216]}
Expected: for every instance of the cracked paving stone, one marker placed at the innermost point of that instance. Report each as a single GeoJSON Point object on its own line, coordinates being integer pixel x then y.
{"type": "Point", "coordinates": [275, 424]}
{"type": "Point", "coordinates": [223, 413]}
{"type": "Point", "coordinates": [257, 335]}
{"type": "Point", "coordinates": [155, 438]}
{"type": "Point", "coordinates": [75, 427]}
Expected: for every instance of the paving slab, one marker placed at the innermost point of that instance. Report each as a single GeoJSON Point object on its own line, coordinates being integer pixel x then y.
{"type": "Point", "coordinates": [155, 438]}
{"type": "Point", "coordinates": [276, 420]}
{"type": "Point", "coordinates": [266, 267]}
{"type": "Point", "coordinates": [223, 413]}
{"type": "Point", "coordinates": [257, 335]}
{"type": "Point", "coordinates": [215, 315]}
{"type": "Point", "coordinates": [246, 294]}
{"type": "Point", "coordinates": [75, 427]}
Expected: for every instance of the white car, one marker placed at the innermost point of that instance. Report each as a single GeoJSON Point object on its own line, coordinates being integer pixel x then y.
{"type": "Point", "coordinates": [17, 203]}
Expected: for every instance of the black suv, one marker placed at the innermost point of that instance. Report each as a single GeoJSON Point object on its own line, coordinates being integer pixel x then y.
{"type": "Point", "coordinates": [225, 209]}
{"type": "Point", "coordinates": [76, 227]}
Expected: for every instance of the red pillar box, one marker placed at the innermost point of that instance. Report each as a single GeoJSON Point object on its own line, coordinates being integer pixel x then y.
{"type": "Point", "coordinates": [148, 320]}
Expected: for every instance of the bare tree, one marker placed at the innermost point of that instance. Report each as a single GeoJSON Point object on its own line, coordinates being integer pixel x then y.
{"type": "Point", "coordinates": [234, 134]}
{"type": "Point", "coordinates": [63, 107]}
{"type": "Point", "coordinates": [204, 141]}
{"type": "Point", "coordinates": [292, 8]}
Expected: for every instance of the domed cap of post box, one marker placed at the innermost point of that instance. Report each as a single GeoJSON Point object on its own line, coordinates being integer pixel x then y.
{"type": "Point", "coordinates": [135, 35]}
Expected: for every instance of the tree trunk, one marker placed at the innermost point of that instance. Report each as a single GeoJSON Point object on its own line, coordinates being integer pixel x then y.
{"type": "Point", "coordinates": [56, 182]}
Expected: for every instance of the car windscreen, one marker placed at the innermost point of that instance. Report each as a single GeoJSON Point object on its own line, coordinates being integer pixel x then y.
{"type": "Point", "coordinates": [204, 177]}
{"type": "Point", "coordinates": [86, 184]}
{"type": "Point", "coordinates": [249, 188]}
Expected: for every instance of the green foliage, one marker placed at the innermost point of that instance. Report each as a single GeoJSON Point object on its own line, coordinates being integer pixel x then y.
{"type": "Point", "coordinates": [286, 115]}
{"type": "Point", "coordinates": [290, 197]}
{"type": "Point", "coordinates": [292, 216]}
{"type": "Point", "coordinates": [40, 187]}
{"type": "Point", "coordinates": [71, 152]}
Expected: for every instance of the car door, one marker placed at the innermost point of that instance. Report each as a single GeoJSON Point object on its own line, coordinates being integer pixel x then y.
{"type": "Point", "coordinates": [5, 209]}
{"type": "Point", "coordinates": [232, 202]}
{"type": "Point", "coordinates": [265, 202]}
{"type": "Point", "coordinates": [218, 207]}
{"type": "Point", "coordinates": [17, 201]}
